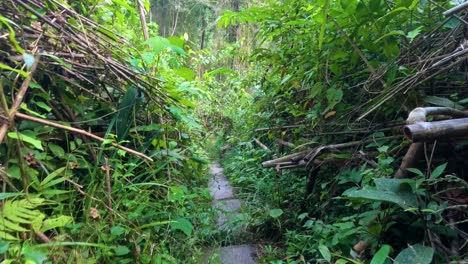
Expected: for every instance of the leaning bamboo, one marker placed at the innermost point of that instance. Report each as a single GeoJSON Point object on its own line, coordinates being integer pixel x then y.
{"type": "Point", "coordinates": [273, 163]}
{"type": "Point", "coordinates": [80, 131]}
{"type": "Point", "coordinates": [425, 131]}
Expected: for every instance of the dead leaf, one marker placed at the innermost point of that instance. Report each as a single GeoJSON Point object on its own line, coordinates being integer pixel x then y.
{"type": "Point", "coordinates": [94, 213]}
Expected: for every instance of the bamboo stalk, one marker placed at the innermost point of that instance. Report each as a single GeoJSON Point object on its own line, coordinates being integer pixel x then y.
{"type": "Point", "coordinates": [80, 131]}
{"type": "Point", "coordinates": [425, 131]}
{"type": "Point", "coordinates": [456, 9]}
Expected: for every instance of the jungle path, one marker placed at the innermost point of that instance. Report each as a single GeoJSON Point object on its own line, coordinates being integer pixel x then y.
{"type": "Point", "coordinates": [224, 199]}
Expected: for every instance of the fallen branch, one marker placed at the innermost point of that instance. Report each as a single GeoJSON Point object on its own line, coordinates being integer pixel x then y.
{"type": "Point", "coordinates": [80, 131]}
{"type": "Point", "coordinates": [308, 156]}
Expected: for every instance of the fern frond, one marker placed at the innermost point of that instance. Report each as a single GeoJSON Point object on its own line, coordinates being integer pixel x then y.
{"type": "Point", "coordinates": [15, 214]}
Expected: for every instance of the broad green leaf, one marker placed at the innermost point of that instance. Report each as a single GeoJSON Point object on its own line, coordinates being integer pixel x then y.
{"type": "Point", "coordinates": [4, 246]}
{"type": "Point", "coordinates": [20, 136]}
{"type": "Point", "coordinates": [415, 254]}
{"type": "Point", "coordinates": [414, 33]}
{"type": "Point", "coordinates": [56, 150]}
{"type": "Point", "coordinates": [185, 73]}
{"type": "Point", "coordinates": [123, 3]}
{"type": "Point", "coordinates": [381, 255]}
{"type": "Point", "coordinates": [325, 252]}
{"type": "Point", "coordinates": [158, 44]}
{"type": "Point", "coordinates": [33, 254]}
{"type": "Point", "coordinates": [403, 196]}
{"type": "Point", "coordinates": [183, 225]}
{"type": "Point", "coordinates": [176, 41]}
{"type": "Point", "coordinates": [438, 171]}
{"type": "Point", "coordinates": [275, 213]}
{"type": "Point", "coordinates": [121, 250]}
{"type": "Point", "coordinates": [117, 230]}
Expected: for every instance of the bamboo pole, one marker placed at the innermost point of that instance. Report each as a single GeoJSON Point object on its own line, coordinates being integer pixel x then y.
{"type": "Point", "coordinates": [425, 131]}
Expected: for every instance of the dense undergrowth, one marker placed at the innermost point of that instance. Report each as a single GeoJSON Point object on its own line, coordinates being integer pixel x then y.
{"type": "Point", "coordinates": [107, 129]}
{"type": "Point", "coordinates": [331, 72]}
{"type": "Point", "coordinates": [128, 183]}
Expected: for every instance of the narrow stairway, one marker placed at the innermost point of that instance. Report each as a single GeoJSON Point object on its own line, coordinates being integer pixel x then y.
{"type": "Point", "coordinates": [228, 205]}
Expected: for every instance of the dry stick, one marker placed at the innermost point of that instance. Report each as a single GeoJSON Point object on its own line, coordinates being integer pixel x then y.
{"type": "Point", "coordinates": [19, 99]}
{"type": "Point", "coordinates": [261, 145]}
{"type": "Point", "coordinates": [83, 132]}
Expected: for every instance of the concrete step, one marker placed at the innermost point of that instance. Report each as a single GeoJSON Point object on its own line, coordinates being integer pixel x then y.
{"type": "Point", "coordinates": [241, 254]}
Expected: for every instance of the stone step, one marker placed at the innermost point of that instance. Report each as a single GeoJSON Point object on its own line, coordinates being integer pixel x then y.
{"type": "Point", "coordinates": [228, 210]}
{"type": "Point", "coordinates": [241, 254]}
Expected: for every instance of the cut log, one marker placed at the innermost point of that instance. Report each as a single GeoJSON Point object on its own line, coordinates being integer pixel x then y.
{"type": "Point", "coordinates": [425, 131]}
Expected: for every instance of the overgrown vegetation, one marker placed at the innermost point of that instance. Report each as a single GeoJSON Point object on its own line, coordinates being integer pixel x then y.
{"type": "Point", "coordinates": [349, 72]}
{"type": "Point", "coordinates": [126, 184]}
{"type": "Point", "coordinates": [107, 128]}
